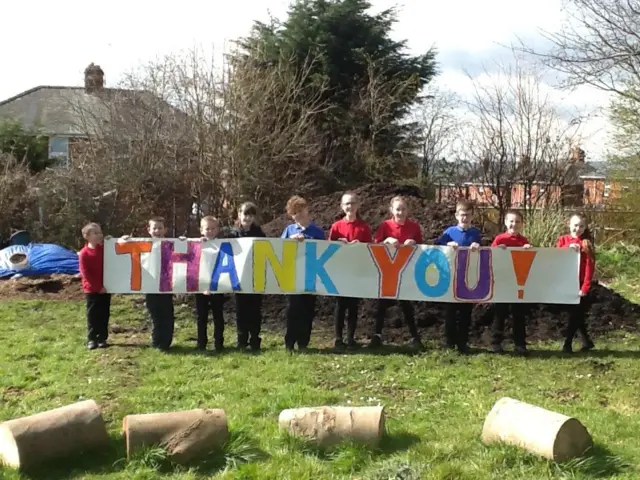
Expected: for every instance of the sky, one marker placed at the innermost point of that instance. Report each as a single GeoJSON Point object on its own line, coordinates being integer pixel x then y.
{"type": "Point", "coordinates": [119, 35]}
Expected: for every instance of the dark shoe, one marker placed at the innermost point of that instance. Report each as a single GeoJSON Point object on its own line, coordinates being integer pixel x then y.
{"type": "Point", "coordinates": [417, 343]}
{"type": "Point", "coordinates": [302, 349]}
{"type": "Point", "coordinates": [218, 346]}
{"type": "Point", "coordinates": [587, 346]}
{"type": "Point", "coordinates": [521, 350]}
{"type": "Point", "coordinates": [92, 345]}
{"type": "Point", "coordinates": [103, 344]}
{"type": "Point", "coordinates": [351, 343]}
{"type": "Point", "coordinates": [448, 346]}
{"type": "Point", "coordinates": [201, 347]}
{"type": "Point", "coordinates": [497, 348]}
{"type": "Point", "coordinates": [566, 348]}
{"type": "Point", "coordinates": [376, 341]}
{"type": "Point", "coordinates": [464, 349]}
{"type": "Point", "coordinates": [338, 344]}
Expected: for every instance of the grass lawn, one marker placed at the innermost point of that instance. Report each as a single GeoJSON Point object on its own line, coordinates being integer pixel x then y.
{"type": "Point", "coordinates": [436, 402]}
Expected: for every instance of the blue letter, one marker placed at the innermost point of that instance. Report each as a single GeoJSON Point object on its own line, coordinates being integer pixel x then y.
{"type": "Point", "coordinates": [433, 256]}
{"type": "Point", "coordinates": [225, 264]}
{"type": "Point", "coordinates": [314, 267]}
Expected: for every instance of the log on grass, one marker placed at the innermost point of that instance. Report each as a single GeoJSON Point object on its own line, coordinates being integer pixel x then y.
{"type": "Point", "coordinates": [61, 432]}
{"type": "Point", "coordinates": [331, 425]}
{"type": "Point", "coordinates": [184, 436]}
{"type": "Point", "coordinates": [549, 434]}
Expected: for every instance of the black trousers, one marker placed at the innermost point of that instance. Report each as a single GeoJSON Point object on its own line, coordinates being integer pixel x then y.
{"type": "Point", "coordinates": [578, 322]}
{"type": "Point", "coordinates": [98, 312]}
{"type": "Point", "coordinates": [160, 308]}
{"type": "Point", "coordinates": [518, 317]}
{"type": "Point", "coordinates": [347, 306]}
{"type": "Point", "coordinates": [407, 311]}
{"type": "Point", "coordinates": [457, 324]}
{"type": "Point", "coordinates": [300, 315]}
{"type": "Point", "coordinates": [210, 303]}
{"type": "Point", "coordinates": [248, 319]}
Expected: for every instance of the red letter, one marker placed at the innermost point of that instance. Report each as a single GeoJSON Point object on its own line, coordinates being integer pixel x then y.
{"type": "Point", "coordinates": [135, 249]}
{"type": "Point", "coordinates": [390, 268]}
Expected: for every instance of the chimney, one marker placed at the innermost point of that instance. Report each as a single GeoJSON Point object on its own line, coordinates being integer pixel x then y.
{"type": "Point", "coordinates": [93, 78]}
{"type": "Point", "coordinates": [578, 155]}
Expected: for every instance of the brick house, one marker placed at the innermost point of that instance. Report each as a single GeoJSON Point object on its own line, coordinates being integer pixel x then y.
{"type": "Point", "coordinates": [586, 183]}
{"type": "Point", "coordinates": [68, 116]}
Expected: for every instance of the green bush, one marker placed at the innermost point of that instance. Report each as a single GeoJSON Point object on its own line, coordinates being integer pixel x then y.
{"type": "Point", "coordinates": [543, 227]}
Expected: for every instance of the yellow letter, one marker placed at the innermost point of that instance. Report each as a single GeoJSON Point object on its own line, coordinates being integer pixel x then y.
{"type": "Point", "coordinates": [284, 271]}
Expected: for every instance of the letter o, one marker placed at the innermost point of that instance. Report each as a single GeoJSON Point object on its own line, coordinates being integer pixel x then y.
{"type": "Point", "coordinates": [433, 256]}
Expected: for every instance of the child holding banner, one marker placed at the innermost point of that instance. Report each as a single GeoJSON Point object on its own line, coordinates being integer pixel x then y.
{"type": "Point", "coordinates": [398, 231]}
{"type": "Point", "coordinates": [579, 239]}
{"type": "Point", "coordinates": [160, 305]}
{"type": "Point", "coordinates": [91, 259]}
{"type": "Point", "coordinates": [350, 229]}
{"type": "Point", "coordinates": [458, 316]}
{"type": "Point", "coordinates": [302, 308]}
{"type": "Point", "coordinates": [248, 305]}
{"type": "Point", "coordinates": [206, 302]}
{"type": "Point", "coordinates": [511, 238]}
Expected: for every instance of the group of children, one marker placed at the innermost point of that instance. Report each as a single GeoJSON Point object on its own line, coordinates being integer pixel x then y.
{"type": "Point", "coordinates": [399, 230]}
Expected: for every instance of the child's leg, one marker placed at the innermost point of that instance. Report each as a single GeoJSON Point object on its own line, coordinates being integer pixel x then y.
{"type": "Point", "coordinates": [306, 322]}
{"type": "Point", "coordinates": [352, 319]}
{"type": "Point", "coordinates": [105, 313]}
{"type": "Point", "coordinates": [294, 312]}
{"type": "Point", "coordinates": [216, 303]}
{"type": "Point", "coordinates": [587, 343]}
{"type": "Point", "coordinates": [93, 318]}
{"type": "Point", "coordinates": [464, 325]}
{"type": "Point", "coordinates": [202, 318]}
{"type": "Point", "coordinates": [501, 310]}
{"type": "Point", "coordinates": [576, 318]}
{"type": "Point", "coordinates": [451, 325]}
{"type": "Point", "coordinates": [243, 314]}
{"type": "Point", "coordinates": [519, 325]}
{"type": "Point", "coordinates": [254, 320]}
{"type": "Point", "coordinates": [341, 309]}
{"type": "Point", "coordinates": [409, 317]}
{"type": "Point", "coordinates": [160, 307]}
{"type": "Point", "coordinates": [381, 312]}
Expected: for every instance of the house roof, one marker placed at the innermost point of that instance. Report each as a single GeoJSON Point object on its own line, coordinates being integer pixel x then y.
{"type": "Point", "coordinates": [72, 111]}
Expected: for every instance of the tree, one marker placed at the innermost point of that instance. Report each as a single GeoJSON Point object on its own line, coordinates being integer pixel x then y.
{"type": "Point", "coordinates": [598, 46]}
{"type": "Point", "coordinates": [518, 137]}
{"type": "Point", "coordinates": [356, 61]}
{"type": "Point", "coordinates": [27, 146]}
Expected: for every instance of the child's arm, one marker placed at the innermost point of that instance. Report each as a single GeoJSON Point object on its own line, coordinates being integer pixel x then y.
{"type": "Point", "coordinates": [285, 234]}
{"type": "Point", "coordinates": [334, 235]}
{"type": "Point", "coordinates": [589, 270]}
{"type": "Point", "coordinates": [84, 267]}
{"type": "Point", "coordinates": [380, 234]}
{"type": "Point", "coordinates": [444, 239]}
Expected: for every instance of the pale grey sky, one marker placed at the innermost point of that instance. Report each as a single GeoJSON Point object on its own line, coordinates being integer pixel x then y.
{"type": "Point", "coordinates": [50, 43]}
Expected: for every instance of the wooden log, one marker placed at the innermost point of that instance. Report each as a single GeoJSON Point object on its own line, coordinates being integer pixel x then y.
{"type": "Point", "coordinates": [549, 434]}
{"type": "Point", "coordinates": [327, 426]}
{"type": "Point", "coordinates": [184, 435]}
{"type": "Point", "coordinates": [58, 433]}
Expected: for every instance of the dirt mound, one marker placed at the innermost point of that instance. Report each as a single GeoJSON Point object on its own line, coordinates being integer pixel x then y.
{"type": "Point", "coordinates": [433, 217]}
{"type": "Point", "coordinates": [59, 287]}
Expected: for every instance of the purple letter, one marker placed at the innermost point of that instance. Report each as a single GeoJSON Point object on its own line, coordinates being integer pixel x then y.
{"type": "Point", "coordinates": [483, 290]}
{"type": "Point", "coordinates": [169, 257]}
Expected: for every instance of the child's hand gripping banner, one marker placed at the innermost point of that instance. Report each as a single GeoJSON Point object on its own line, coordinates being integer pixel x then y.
{"type": "Point", "coordinates": [275, 266]}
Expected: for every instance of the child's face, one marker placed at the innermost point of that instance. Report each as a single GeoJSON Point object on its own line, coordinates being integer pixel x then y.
{"type": "Point", "coordinates": [577, 226]}
{"type": "Point", "coordinates": [209, 229]}
{"type": "Point", "coordinates": [399, 211]}
{"type": "Point", "coordinates": [513, 223]}
{"type": "Point", "coordinates": [246, 220]}
{"type": "Point", "coordinates": [301, 217]}
{"type": "Point", "coordinates": [157, 229]}
{"type": "Point", "coordinates": [464, 218]}
{"type": "Point", "coordinates": [95, 236]}
{"type": "Point", "coordinates": [349, 204]}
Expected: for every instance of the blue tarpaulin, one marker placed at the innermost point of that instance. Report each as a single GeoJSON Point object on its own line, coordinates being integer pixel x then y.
{"type": "Point", "coordinates": [42, 259]}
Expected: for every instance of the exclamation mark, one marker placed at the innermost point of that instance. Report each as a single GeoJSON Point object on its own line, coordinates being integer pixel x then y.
{"type": "Point", "coordinates": [522, 260]}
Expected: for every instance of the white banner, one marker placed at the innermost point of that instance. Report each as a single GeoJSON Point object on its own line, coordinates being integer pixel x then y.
{"type": "Point", "coordinates": [276, 266]}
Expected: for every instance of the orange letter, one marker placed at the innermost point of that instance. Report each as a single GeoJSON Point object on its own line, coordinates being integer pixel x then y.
{"type": "Point", "coordinates": [135, 249]}
{"type": "Point", "coordinates": [390, 267]}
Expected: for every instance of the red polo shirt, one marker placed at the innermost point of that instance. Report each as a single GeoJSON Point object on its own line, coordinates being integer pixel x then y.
{"type": "Point", "coordinates": [409, 230]}
{"type": "Point", "coordinates": [356, 230]}
{"type": "Point", "coordinates": [92, 268]}
{"type": "Point", "coordinates": [510, 240]}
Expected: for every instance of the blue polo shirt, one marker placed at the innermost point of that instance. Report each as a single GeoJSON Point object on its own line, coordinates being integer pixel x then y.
{"type": "Point", "coordinates": [463, 238]}
{"type": "Point", "coordinates": [312, 232]}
